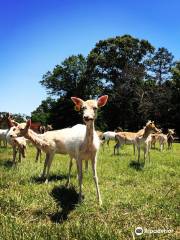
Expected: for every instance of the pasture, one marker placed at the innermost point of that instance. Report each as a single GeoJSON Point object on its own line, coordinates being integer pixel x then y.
{"type": "Point", "coordinates": [133, 196]}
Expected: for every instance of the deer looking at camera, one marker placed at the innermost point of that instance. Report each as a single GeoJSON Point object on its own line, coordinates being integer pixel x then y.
{"type": "Point", "coordinates": [80, 142]}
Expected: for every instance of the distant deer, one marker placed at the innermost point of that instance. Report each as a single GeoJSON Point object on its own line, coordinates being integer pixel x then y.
{"type": "Point", "coordinates": [107, 136]}
{"type": "Point", "coordinates": [143, 139]}
{"type": "Point", "coordinates": [125, 138]}
{"type": "Point", "coordinates": [170, 138]}
{"type": "Point", "coordinates": [18, 144]}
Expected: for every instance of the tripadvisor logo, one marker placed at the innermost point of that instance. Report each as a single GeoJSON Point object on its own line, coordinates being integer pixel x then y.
{"type": "Point", "coordinates": [139, 231]}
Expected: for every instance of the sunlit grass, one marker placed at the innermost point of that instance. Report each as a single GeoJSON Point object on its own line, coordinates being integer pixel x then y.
{"type": "Point", "coordinates": [132, 196]}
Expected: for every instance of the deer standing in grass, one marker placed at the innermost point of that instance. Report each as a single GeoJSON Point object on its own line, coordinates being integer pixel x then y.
{"type": "Point", "coordinates": [170, 138]}
{"type": "Point", "coordinates": [154, 139]}
{"type": "Point", "coordinates": [125, 138]}
{"type": "Point", "coordinates": [143, 139]}
{"type": "Point", "coordinates": [107, 136]}
{"type": "Point", "coordinates": [18, 144]}
{"type": "Point", "coordinates": [163, 139]}
{"type": "Point", "coordinates": [3, 133]}
{"type": "Point", "coordinates": [81, 142]}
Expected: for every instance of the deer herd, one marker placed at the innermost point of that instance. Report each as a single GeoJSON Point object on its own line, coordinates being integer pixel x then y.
{"type": "Point", "coordinates": [80, 142]}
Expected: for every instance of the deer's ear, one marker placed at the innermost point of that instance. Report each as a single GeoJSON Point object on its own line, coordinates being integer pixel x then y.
{"type": "Point", "coordinates": [148, 122]}
{"type": "Point", "coordinates": [78, 103]}
{"type": "Point", "coordinates": [102, 100]}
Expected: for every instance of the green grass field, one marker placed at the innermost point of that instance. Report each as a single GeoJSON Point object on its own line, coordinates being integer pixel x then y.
{"type": "Point", "coordinates": [133, 196]}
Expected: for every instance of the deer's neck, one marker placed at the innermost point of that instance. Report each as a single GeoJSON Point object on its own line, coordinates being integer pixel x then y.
{"type": "Point", "coordinates": [9, 123]}
{"type": "Point", "coordinates": [146, 133]}
{"type": "Point", "coordinates": [169, 136]}
{"type": "Point", "coordinates": [88, 142]}
{"type": "Point", "coordinates": [36, 139]}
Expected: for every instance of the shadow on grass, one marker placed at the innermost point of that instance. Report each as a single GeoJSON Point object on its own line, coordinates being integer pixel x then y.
{"type": "Point", "coordinates": [2, 148]}
{"type": "Point", "coordinates": [121, 154]}
{"type": "Point", "coordinates": [66, 199]}
{"type": "Point", "coordinates": [7, 163]}
{"type": "Point", "coordinates": [136, 165]}
{"type": "Point", "coordinates": [156, 149]}
{"type": "Point", "coordinates": [53, 177]}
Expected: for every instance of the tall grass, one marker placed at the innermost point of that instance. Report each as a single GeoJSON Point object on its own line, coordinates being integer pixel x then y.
{"type": "Point", "coordinates": [133, 195]}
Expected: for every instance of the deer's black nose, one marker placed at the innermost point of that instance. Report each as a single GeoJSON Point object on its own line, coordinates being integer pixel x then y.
{"type": "Point", "coordinates": [86, 118]}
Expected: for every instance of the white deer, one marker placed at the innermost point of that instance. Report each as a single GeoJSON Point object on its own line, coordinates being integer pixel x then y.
{"type": "Point", "coordinates": [107, 136]}
{"type": "Point", "coordinates": [81, 142]}
{"type": "Point", "coordinates": [18, 144]}
{"type": "Point", "coordinates": [166, 139]}
{"type": "Point", "coordinates": [3, 133]}
{"type": "Point", "coordinates": [162, 141]}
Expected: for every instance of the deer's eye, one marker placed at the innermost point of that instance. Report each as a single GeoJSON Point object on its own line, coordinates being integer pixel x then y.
{"type": "Point", "coordinates": [94, 108]}
{"type": "Point", "coordinates": [84, 108]}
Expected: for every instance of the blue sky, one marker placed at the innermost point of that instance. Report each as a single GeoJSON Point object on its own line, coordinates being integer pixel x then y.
{"type": "Point", "coordinates": [36, 35]}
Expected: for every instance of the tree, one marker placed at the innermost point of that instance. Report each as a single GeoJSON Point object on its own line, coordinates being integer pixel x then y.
{"type": "Point", "coordinates": [135, 76]}
{"type": "Point", "coordinates": [118, 63]}
{"type": "Point", "coordinates": [43, 112]}
{"type": "Point", "coordinates": [175, 110]}
{"type": "Point", "coordinates": [17, 117]}
{"type": "Point", "coordinates": [70, 78]}
{"type": "Point", "coordinates": [159, 65]}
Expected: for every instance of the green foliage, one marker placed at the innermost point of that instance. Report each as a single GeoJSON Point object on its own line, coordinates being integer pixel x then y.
{"type": "Point", "coordinates": [43, 112]}
{"type": "Point", "coordinates": [119, 64]}
{"type": "Point", "coordinates": [176, 76]}
{"type": "Point", "coordinates": [132, 196]}
{"type": "Point", "coordinates": [68, 79]}
{"type": "Point", "coordinates": [63, 114]}
{"type": "Point", "coordinates": [159, 65]}
{"type": "Point", "coordinates": [175, 101]}
{"type": "Point", "coordinates": [119, 60]}
{"type": "Point", "coordinates": [17, 117]}
{"type": "Point", "coordinates": [140, 81]}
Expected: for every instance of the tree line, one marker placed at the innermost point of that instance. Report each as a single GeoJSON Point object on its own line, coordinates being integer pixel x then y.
{"type": "Point", "coordinates": [142, 83]}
